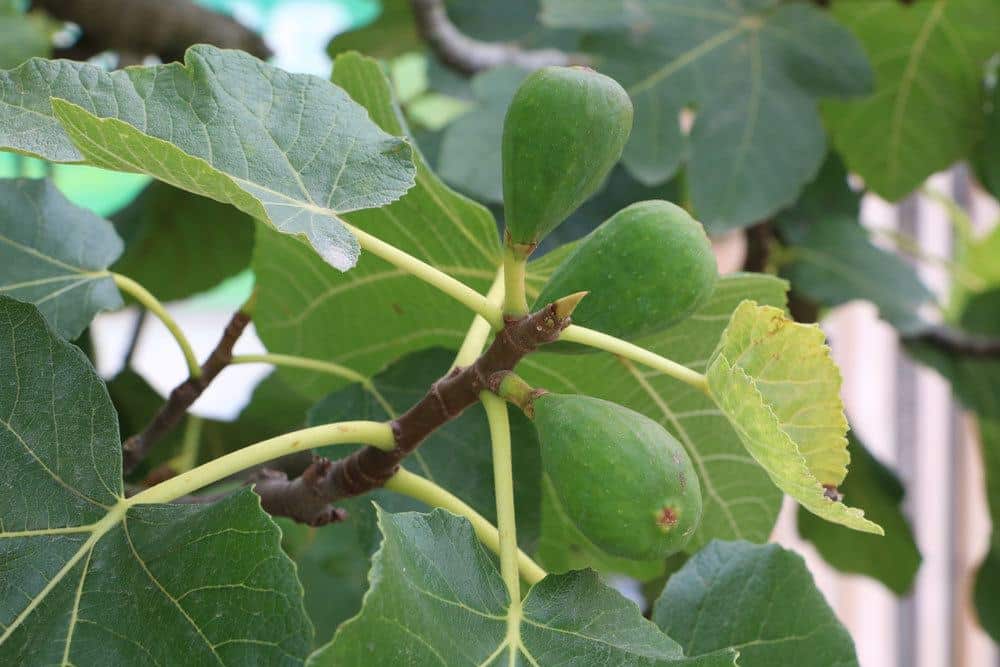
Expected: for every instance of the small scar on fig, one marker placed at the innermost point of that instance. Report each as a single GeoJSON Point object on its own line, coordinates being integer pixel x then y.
{"type": "Point", "coordinates": [667, 518]}
{"type": "Point", "coordinates": [398, 308]}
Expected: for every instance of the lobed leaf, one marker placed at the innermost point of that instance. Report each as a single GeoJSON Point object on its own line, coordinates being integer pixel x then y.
{"type": "Point", "coordinates": [375, 313]}
{"type": "Point", "coordinates": [758, 599]}
{"type": "Point", "coordinates": [55, 255]}
{"type": "Point", "coordinates": [756, 138]}
{"type": "Point", "coordinates": [775, 381]}
{"type": "Point", "coordinates": [88, 576]}
{"type": "Point", "coordinates": [437, 598]}
{"type": "Point", "coordinates": [926, 110]}
{"type": "Point", "coordinates": [289, 149]}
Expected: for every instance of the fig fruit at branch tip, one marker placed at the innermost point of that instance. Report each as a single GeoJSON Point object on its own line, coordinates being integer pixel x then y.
{"type": "Point", "coordinates": [625, 482]}
{"type": "Point", "coordinates": [646, 268]}
{"type": "Point", "coordinates": [564, 131]}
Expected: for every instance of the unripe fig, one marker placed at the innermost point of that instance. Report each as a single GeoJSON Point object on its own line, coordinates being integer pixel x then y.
{"type": "Point", "coordinates": [625, 482]}
{"type": "Point", "coordinates": [565, 129]}
{"type": "Point", "coordinates": [646, 268]}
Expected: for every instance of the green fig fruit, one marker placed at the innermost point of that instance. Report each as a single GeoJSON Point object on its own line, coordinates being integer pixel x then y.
{"type": "Point", "coordinates": [646, 268]}
{"type": "Point", "coordinates": [565, 129]}
{"type": "Point", "coordinates": [628, 485]}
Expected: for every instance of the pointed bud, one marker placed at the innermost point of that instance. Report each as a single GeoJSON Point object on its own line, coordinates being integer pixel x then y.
{"type": "Point", "coordinates": [566, 305]}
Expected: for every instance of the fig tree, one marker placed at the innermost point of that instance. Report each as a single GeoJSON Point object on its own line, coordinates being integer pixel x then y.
{"type": "Point", "coordinates": [645, 268]}
{"type": "Point", "coordinates": [626, 483]}
{"type": "Point", "coordinates": [565, 129]}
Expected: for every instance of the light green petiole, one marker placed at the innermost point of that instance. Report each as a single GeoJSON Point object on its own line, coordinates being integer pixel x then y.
{"type": "Point", "coordinates": [622, 348]}
{"type": "Point", "coordinates": [408, 484]}
{"type": "Point", "coordinates": [376, 434]}
{"type": "Point", "coordinates": [153, 305]}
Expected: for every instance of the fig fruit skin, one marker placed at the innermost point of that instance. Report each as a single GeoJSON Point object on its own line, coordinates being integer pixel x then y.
{"type": "Point", "coordinates": [627, 484]}
{"type": "Point", "coordinates": [564, 131]}
{"type": "Point", "coordinates": [645, 268]}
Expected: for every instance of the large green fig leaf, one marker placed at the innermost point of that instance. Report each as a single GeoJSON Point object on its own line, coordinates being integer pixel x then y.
{"type": "Point", "coordinates": [757, 137]}
{"type": "Point", "coordinates": [892, 559]}
{"type": "Point", "coordinates": [457, 457]}
{"type": "Point", "coordinates": [289, 149]}
{"type": "Point", "coordinates": [376, 313]}
{"type": "Point", "coordinates": [836, 262]}
{"type": "Point", "coordinates": [926, 110]}
{"type": "Point", "coordinates": [436, 598]}
{"type": "Point", "coordinates": [986, 157]}
{"type": "Point", "coordinates": [178, 244]}
{"type": "Point", "coordinates": [24, 36]}
{"type": "Point", "coordinates": [758, 599]}
{"type": "Point", "coordinates": [56, 255]}
{"type": "Point", "coordinates": [389, 34]}
{"type": "Point", "coordinates": [90, 577]}
{"type": "Point", "coordinates": [740, 502]}
{"type": "Point", "coordinates": [775, 381]}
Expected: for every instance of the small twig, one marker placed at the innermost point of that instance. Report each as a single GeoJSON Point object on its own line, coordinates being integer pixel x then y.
{"type": "Point", "coordinates": [468, 55]}
{"type": "Point", "coordinates": [135, 449]}
{"type": "Point", "coordinates": [307, 498]}
{"type": "Point", "coordinates": [958, 342]}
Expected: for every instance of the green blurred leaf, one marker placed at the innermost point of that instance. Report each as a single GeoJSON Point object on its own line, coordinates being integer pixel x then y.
{"type": "Point", "coordinates": [740, 502]}
{"type": "Point", "coordinates": [376, 313]}
{"type": "Point", "coordinates": [829, 195]}
{"type": "Point", "coordinates": [758, 599]}
{"type": "Point", "coordinates": [390, 34]}
{"type": "Point", "coordinates": [836, 262]}
{"type": "Point", "coordinates": [23, 36]}
{"type": "Point", "coordinates": [775, 381]}
{"type": "Point", "coordinates": [469, 158]}
{"type": "Point", "coordinates": [437, 598]}
{"type": "Point", "coordinates": [178, 244]}
{"type": "Point", "coordinates": [90, 578]}
{"type": "Point", "coordinates": [926, 110]}
{"type": "Point", "coordinates": [55, 255]}
{"type": "Point", "coordinates": [289, 149]}
{"type": "Point", "coordinates": [986, 157]}
{"type": "Point", "coordinates": [892, 559]}
{"type": "Point", "coordinates": [757, 138]}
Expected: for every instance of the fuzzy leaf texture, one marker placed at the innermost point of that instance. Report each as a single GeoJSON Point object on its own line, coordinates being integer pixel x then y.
{"type": "Point", "coordinates": [56, 255]}
{"type": "Point", "coordinates": [724, 597]}
{"type": "Point", "coordinates": [757, 137]}
{"type": "Point", "coordinates": [775, 381]}
{"type": "Point", "coordinates": [391, 313]}
{"type": "Point", "coordinates": [436, 598]}
{"type": "Point", "coordinates": [289, 149]}
{"type": "Point", "coordinates": [926, 110]}
{"type": "Point", "coordinates": [90, 578]}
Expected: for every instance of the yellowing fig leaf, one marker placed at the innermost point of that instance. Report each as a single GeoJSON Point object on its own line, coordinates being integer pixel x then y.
{"type": "Point", "coordinates": [775, 381]}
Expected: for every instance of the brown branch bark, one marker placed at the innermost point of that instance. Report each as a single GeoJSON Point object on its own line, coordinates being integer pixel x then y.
{"type": "Point", "coordinates": [136, 28]}
{"type": "Point", "coordinates": [469, 56]}
{"type": "Point", "coordinates": [307, 498]}
{"type": "Point", "coordinates": [135, 448]}
{"type": "Point", "coordinates": [958, 342]}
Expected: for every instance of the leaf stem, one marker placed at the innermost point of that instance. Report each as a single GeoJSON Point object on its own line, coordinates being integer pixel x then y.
{"type": "Point", "coordinates": [187, 458]}
{"type": "Point", "coordinates": [408, 484]}
{"type": "Point", "coordinates": [328, 367]}
{"type": "Point", "coordinates": [476, 337]}
{"type": "Point", "coordinates": [456, 289]}
{"type": "Point", "coordinates": [503, 484]}
{"type": "Point", "coordinates": [515, 267]}
{"type": "Point", "coordinates": [377, 434]}
{"type": "Point", "coordinates": [602, 341]}
{"type": "Point", "coordinates": [152, 304]}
